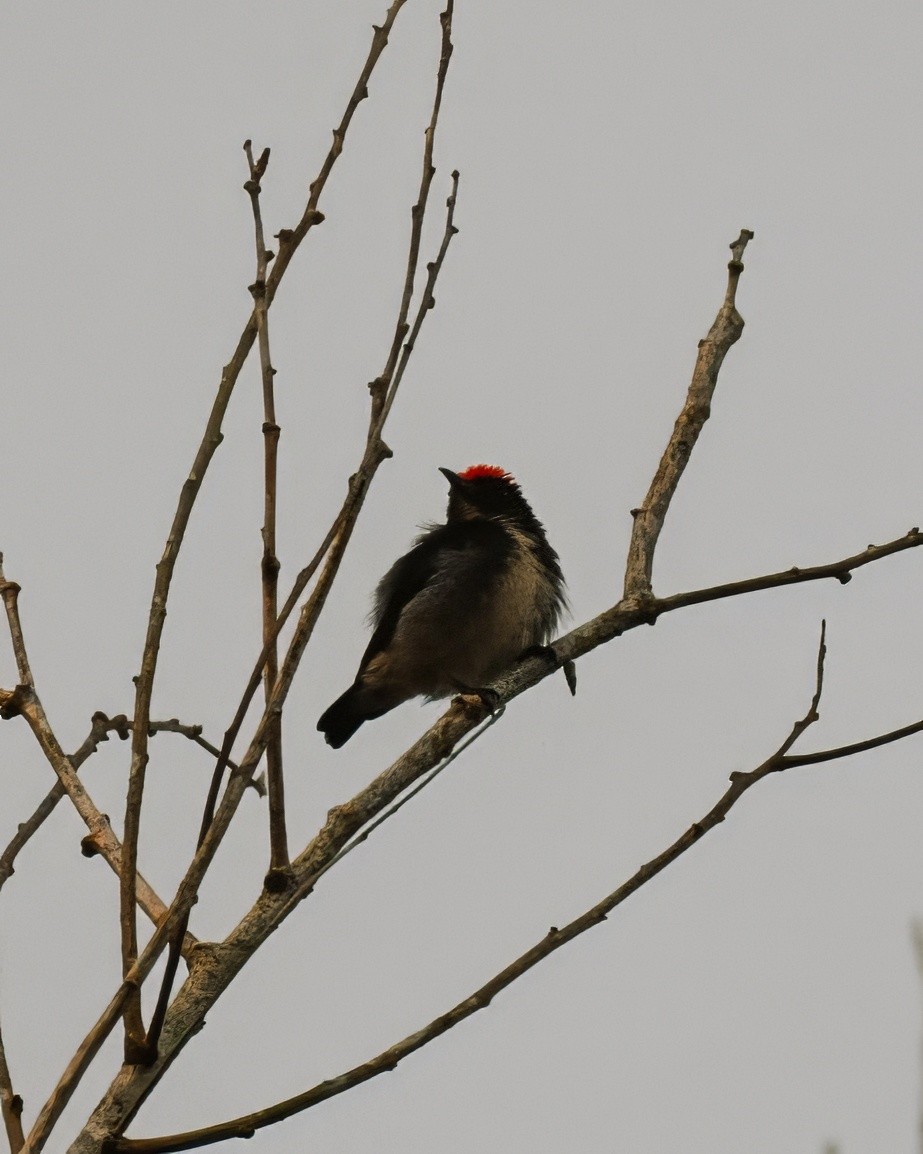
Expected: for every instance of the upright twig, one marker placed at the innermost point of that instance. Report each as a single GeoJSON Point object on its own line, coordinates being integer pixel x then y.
{"type": "Point", "coordinates": [10, 591]}
{"type": "Point", "coordinates": [277, 877]}
{"type": "Point", "coordinates": [385, 387]}
{"type": "Point", "coordinates": [649, 518]}
{"type": "Point", "coordinates": [278, 856]}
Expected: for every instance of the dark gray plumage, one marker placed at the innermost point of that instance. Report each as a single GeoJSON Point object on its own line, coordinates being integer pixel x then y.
{"type": "Point", "coordinates": [469, 598]}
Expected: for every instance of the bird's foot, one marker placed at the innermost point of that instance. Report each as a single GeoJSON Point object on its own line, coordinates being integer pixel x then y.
{"type": "Point", "coordinates": [490, 698]}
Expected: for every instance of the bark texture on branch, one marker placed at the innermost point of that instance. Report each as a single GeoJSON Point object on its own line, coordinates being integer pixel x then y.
{"type": "Point", "coordinates": [649, 518]}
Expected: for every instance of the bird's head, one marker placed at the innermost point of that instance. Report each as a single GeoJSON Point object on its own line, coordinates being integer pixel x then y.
{"type": "Point", "coordinates": [486, 491]}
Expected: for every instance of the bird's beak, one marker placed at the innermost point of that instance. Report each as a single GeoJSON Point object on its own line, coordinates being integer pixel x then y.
{"type": "Point", "coordinates": [453, 478]}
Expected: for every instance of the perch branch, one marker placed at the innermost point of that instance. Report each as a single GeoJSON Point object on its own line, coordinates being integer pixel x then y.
{"type": "Point", "coordinates": [226, 959]}
{"type": "Point", "coordinates": [246, 1125]}
{"type": "Point", "coordinates": [649, 518]}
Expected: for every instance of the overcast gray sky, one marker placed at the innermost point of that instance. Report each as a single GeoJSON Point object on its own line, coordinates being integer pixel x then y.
{"type": "Point", "coordinates": [761, 994]}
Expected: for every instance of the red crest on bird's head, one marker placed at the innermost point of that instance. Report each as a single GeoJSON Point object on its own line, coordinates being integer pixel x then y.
{"type": "Point", "coordinates": [475, 472]}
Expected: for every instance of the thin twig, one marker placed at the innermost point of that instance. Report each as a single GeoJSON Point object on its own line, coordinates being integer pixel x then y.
{"type": "Point", "coordinates": [230, 735]}
{"type": "Point", "coordinates": [649, 518]}
{"type": "Point", "coordinates": [103, 841]}
{"type": "Point", "coordinates": [10, 591]}
{"type": "Point", "coordinates": [278, 857]}
{"type": "Point", "coordinates": [10, 1105]}
{"type": "Point", "coordinates": [278, 870]}
{"type": "Point", "coordinates": [428, 301]}
{"type": "Point", "coordinates": [194, 733]}
{"type": "Point", "coordinates": [213, 827]}
{"type": "Point", "coordinates": [109, 847]}
{"type": "Point", "coordinates": [385, 387]}
{"type": "Point", "coordinates": [246, 1125]}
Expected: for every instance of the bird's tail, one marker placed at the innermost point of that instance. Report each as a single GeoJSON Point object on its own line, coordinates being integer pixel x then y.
{"type": "Point", "coordinates": [358, 704]}
{"type": "Point", "coordinates": [343, 718]}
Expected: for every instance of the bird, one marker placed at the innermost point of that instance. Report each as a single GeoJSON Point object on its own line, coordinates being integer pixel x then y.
{"type": "Point", "coordinates": [470, 597]}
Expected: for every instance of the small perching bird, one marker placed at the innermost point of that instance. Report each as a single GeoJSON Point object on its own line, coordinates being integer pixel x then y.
{"type": "Point", "coordinates": [470, 597]}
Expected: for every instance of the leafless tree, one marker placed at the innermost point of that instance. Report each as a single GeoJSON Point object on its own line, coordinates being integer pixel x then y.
{"type": "Point", "coordinates": [150, 1047]}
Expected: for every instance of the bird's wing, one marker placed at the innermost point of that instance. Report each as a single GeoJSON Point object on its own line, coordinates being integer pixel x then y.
{"type": "Point", "coordinates": [403, 581]}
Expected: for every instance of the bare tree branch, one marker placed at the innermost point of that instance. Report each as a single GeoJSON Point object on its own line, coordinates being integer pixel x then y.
{"type": "Point", "coordinates": [375, 451]}
{"type": "Point", "coordinates": [465, 713]}
{"type": "Point", "coordinates": [222, 962]}
{"type": "Point", "coordinates": [212, 966]}
{"type": "Point", "coordinates": [278, 860]}
{"type": "Point", "coordinates": [385, 388]}
{"type": "Point", "coordinates": [649, 519]}
{"type": "Point", "coordinates": [278, 874]}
